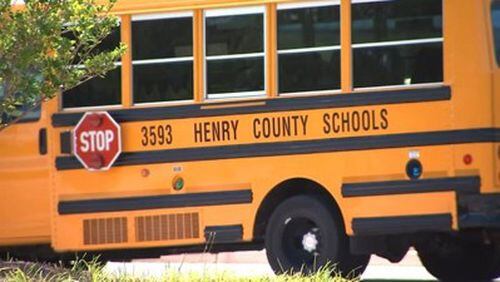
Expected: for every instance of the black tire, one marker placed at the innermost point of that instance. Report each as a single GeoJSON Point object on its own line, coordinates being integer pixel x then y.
{"type": "Point", "coordinates": [293, 228]}
{"type": "Point", "coordinates": [453, 258]}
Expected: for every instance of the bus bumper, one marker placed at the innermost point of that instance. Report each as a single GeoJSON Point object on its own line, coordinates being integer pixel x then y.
{"type": "Point", "coordinates": [479, 211]}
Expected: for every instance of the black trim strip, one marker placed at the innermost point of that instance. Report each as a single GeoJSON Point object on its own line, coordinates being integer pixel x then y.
{"type": "Point", "coordinates": [156, 202]}
{"type": "Point", "coordinates": [28, 120]}
{"type": "Point", "coordinates": [297, 147]}
{"type": "Point", "coordinates": [466, 184]}
{"type": "Point", "coordinates": [65, 141]}
{"type": "Point", "coordinates": [224, 234]}
{"type": "Point", "coordinates": [401, 224]}
{"type": "Point", "coordinates": [272, 105]}
{"type": "Point", "coordinates": [42, 141]}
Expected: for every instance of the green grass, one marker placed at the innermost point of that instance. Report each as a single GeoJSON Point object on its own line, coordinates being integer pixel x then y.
{"type": "Point", "coordinates": [92, 271]}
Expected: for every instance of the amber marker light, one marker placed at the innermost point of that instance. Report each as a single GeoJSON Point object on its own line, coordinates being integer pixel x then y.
{"type": "Point", "coordinates": [468, 159]}
{"type": "Point", "coordinates": [145, 172]}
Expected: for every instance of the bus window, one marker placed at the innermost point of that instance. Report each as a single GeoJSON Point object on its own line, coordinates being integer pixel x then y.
{"type": "Point", "coordinates": [309, 47]}
{"type": "Point", "coordinates": [162, 52]}
{"type": "Point", "coordinates": [98, 91]}
{"type": "Point", "coordinates": [495, 16]}
{"type": "Point", "coordinates": [397, 42]}
{"type": "Point", "coordinates": [30, 114]}
{"type": "Point", "coordinates": [234, 52]}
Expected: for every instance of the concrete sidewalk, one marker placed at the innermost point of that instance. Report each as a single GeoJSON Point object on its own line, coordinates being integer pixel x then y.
{"type": "Point", "coordinates": [254, 263]}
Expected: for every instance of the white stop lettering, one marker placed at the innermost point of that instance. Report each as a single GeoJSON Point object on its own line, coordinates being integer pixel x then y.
{"type": "Point", "coordinates": [96, 140]}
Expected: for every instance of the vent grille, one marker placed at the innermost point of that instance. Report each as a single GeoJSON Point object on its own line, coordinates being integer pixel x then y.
{"type": "Point", "coordinates": [167, 227]}
{"type": "Point", "coordinates": [105, 231]}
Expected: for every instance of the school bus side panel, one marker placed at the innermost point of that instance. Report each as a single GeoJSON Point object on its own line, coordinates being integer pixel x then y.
{"type": "Point", "coordinates": [250, 173]}
{"type": "Point", "coordinates": [24, 184]}
{"type": "Point", "coordinates": [492, 21]}
{"type": "Point", "coordinates": [468, 70]}
{"type": "Point", "coordinates": [204, 151]}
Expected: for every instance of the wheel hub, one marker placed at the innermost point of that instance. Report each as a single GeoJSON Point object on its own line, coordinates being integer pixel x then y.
{"type": "Point", "coordinates": [309, 242]}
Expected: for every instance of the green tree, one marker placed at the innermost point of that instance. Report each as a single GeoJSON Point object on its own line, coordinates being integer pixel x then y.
{"type": "Point", "coordinates": [49, 46]}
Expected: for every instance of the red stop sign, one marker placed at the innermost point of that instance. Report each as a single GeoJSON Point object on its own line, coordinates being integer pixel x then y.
{"type": "Point", "coordinates": [97, 141]}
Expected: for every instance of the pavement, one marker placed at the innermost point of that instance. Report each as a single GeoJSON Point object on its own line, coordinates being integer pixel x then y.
{"type": "Point", "coordinates": [254, 263]}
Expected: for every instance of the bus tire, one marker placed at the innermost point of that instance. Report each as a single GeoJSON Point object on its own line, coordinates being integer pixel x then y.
{"type": "Point", "coordinates": [452, 258]}
{"type": "Point", "coordinates": [304, 235]}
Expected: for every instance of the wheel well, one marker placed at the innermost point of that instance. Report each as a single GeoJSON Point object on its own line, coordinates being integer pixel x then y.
{"type": "Point", "coordinates": [284, 190]}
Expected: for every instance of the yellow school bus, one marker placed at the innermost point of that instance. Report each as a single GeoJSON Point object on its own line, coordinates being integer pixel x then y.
{"type": "Point", "coordinates": [322, 131]}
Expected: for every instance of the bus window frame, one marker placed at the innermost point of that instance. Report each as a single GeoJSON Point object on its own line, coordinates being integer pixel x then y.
{"type": "Point", "coordinates": [159, 16]}
{"type": "Point", "coordinates": [100, 107]}
{"type": "Point", "coordinates": [239, 11]}
{"type": "Point", "coordinates": [305, 5]}
{"type": "Point", "coordinates": [398, 87]}
{"type": "Point", "coordinates": [89, 108]}
{"type": "Point", "coordinates": [394, 43]}
{"type": "Point", "coordinates": [491, 27]}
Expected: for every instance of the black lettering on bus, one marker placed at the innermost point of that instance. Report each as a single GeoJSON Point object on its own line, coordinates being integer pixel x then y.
{"type": "Point", "coordinates": [144, 140]}
{"type": "Point", "coordinates": [161, 135]}
{"type": "Point", "coordinates": [355, 121]}
{"type": "Point", "coordinates": [304, 119]}
{"type": "Point", "coordinates": [198, 137]}
{"type": "Point", "coordinates": [366, 120]}
{"type": "Point", "coordinates": [346, 127]}
{"type": "Point", "coordinates": [152, 135]}
{"type": "Point", "coordinates": [256, 133]}
{"type": "Point", "coordinates": [206, 130]}
{"type": "Point", "coordinates": [225, 131]}
{"type": "Point", "coordinates": [375, 123]}
{"type": "Point", "coordinates": [335, 122]}
{"type": "Point", "coordinates": [234, 126]}
{"type": "Point", "coordinates": [295, 125]}
{"type": "Point", "coordinates": [276, 125]}
{"type": "Point", "coordinates": [170, 137]}
{"type": "Point", "coordinates": [326, 123]}
{"type": "Point", "coordinates": [266, 128]}
{"type": "Point", "coordinates": [385, 122]}
{"type": "Point", "coordinates": [157, 134]}
{"type": "Point", "coordinates": [216, 131]}
{"type": "Point", "coordinates": [286, 127]}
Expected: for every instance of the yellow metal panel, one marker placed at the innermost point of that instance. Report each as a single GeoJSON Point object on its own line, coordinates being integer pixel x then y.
{"type": "Point", "coordinates": [126, 37]}
{"type": "Point", "coordinates": [198, 53]}
{"type": "Point", "coordinates": [145, 6]}
{"type": "Point", "coordinates": [272, 50]}
{"type": "Point", "coordinates": [24, 184]}
{"type": "Point", "coordinates": [345, 44]}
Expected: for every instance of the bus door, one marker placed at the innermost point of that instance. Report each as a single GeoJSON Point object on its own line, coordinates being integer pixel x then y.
{"type": "Point", "coordinates": [24, 181]}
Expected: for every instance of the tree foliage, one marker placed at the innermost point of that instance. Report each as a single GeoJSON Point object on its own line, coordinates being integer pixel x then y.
{"type": "Point", "coordinates": [48, 46]}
